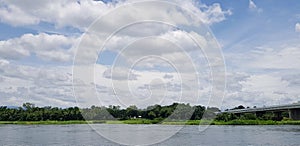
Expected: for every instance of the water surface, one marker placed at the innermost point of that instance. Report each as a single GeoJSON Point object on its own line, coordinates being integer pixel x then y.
{"type": "Point", "coordinates": [189, 135]}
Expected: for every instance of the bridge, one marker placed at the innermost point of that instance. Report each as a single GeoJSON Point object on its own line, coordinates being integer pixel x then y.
{"type": "Point", "coordinates": [292, 109]}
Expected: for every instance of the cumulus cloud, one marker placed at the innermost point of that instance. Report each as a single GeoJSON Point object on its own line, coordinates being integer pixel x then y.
{"type": "Point", "coordinates": [53, 85]}
{"type": "Point", "coordinates": [50, 47]}
{"type": "Point", "coordinates": [15, 16]}
{"type": "Point", "coordinates": [269, 89]}
{"type": "Point", "coordinates": [60, 13]}
{"type": "Point", "coordinates": [260, 89]}
{"type": "Point", "coordinates": [73, 13]}
{"type": "Point", "coordinates": [265, 75]}
{"type": "Point", "coordinates": [214, 13]}
{"type": "Point", "coordinates": [9, 50]}
{"type": "Point", "coordinates": [171, 50]}
{"type": "Point", "coordinates": [148, 88]}
{"type": "Point", "coordinates": [39, 85]}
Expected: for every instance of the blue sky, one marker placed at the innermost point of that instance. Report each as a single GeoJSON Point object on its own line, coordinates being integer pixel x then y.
{"type": "Point", "coordinates": [259, 40]}
{"type": "Point", "coordinates": [270, 21]}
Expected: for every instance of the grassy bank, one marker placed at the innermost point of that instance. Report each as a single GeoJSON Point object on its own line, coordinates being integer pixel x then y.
{"type": "Point", "coordinates": [42, 122]}
{"type": "Point", "coordinates": [133, 121]}
{"type": "Point", "coordinates": [146, 121]}
{"type": "Point", "coordinates": [49, 122]}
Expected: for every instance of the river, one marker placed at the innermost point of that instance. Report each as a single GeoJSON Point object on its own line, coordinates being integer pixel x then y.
{"type": "Point", "coordinates": [189, 135]}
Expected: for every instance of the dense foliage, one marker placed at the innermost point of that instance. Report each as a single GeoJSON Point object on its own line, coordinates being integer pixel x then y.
{"type": "Point", "coordinates": [251, 116]}
{"type": "Point", "coordinates": [28, 112]}
{"type": "Point", "coordinates": [176, 111]}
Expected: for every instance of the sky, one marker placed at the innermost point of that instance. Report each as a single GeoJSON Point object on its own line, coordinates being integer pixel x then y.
{"type": "Point", "coordinates": [51, 52]}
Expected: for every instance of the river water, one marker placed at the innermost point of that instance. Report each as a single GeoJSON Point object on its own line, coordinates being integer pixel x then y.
{"type": "Point", "coordinates": [189, 135]}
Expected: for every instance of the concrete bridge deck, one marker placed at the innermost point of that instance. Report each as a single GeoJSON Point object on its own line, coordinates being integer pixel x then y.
{"type": "Point", "coordinates": [292, 109]}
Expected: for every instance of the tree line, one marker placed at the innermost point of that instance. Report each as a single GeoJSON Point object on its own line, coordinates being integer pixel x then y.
{"type": "Point", "coordinates": [28, 112]}
{"type": "Point", "coordinates": [176, 111]}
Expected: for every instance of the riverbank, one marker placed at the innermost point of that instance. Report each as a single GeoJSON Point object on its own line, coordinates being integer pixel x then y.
{"type": "Point", "coordinates": [234, 122]}
{"type": "Point", "coordinates": [145, 121]}
{"type": "Point", "coordinates": [43, 122]}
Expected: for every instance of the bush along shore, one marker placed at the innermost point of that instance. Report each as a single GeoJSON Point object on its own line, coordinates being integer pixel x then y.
{"type": "Point", "coordinates": [173, 114]}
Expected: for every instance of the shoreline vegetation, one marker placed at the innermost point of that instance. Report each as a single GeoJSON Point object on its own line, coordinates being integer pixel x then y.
{"type": "Point", "coordinates": [175, 114]}
{"type": "Point", "coordinates": [146, 121]}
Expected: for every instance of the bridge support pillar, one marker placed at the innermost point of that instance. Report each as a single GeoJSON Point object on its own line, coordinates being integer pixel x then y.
{"type": "Point", "coordinates": [294, 114]}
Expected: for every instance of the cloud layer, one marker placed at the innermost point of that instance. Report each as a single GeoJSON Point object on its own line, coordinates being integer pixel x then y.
{"type": "Point", "coordinates": [37, 67]}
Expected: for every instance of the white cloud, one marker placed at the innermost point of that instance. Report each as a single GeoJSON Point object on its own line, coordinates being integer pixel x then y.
{"type": "Point", "coordinates": [119, 74]}
{"type": "Point", "coordinates": [173, 48]}
{"type": "Point", "coordinates": [44, 46]}
{"type": "Point", "coordinates": [3, 62]}
{"type": "Point", "coordinates": [149, 87]}
{"type": "Point", "coordinates": [264, 83]}
{"type": "Point", "coordinates": [61, 13]}
{"type": "Point", "coordinates": [80, 14]}
{"type": "Point", "coordinates": [10, 50]}
{"type": "Point", "coordinates": [214, 14]}
{"type": "Point", "coordinates": [264, 75]}
{"type": "Point", "coordinates": [253, 7]}
{"type": "Point", "coordinates": [53, 85]}
{"type": "Point", "coordinates": [250, 89]}
{"type": "Point", "coordinates": [297, 27]}
{"type": "Point", "coordinates": [14, 15]}
{"type": "Point", "coordinates": [282, 57]}
{"type": "Point", "coordinates": [39, 85]}
{"type": "Point", "coordinates": [269, 89]}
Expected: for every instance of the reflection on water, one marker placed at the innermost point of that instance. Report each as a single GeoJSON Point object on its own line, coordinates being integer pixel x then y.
{"type": "Point", "coordinates": [189, 135]}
